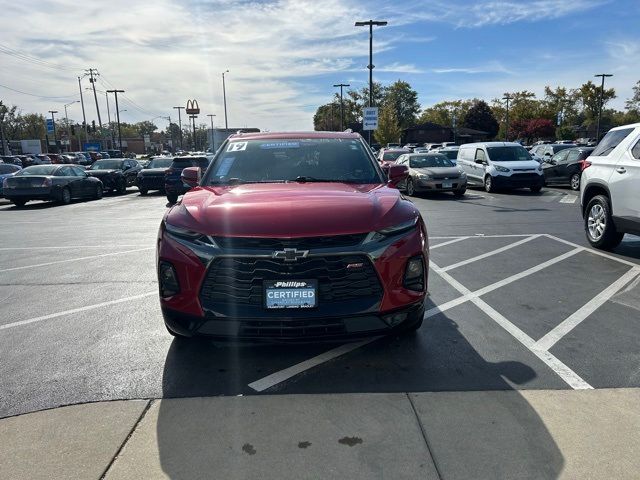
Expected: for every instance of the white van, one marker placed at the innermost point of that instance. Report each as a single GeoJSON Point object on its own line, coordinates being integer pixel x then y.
{"type": "Point", "coordinates": [495, 165]}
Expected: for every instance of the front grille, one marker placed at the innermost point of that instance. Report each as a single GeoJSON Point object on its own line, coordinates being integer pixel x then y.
{"type": "Point", "coordinates": [271, 244]}
{"type": "Point", "coordinates": [443, 177]}
{"type": "Point", "coordinates": [239, 280]}
{"type": "Point", "coordinates": [152, 181]}
{"type": "Point", "coordinates": [525, 176]}
{"type": "Point", "coordinates": [304, 327]}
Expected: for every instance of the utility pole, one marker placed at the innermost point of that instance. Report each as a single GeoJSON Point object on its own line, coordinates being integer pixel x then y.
{"type": "Point", "coordinates": [224, 97]}
{"type": "Point", "coordinates": [371, 66]}
{"type": "Point", "coordinates": [180, 124]}
{"type": "Point", "coordinates": [106, 96]}
{"type": "Point", "coordinates": [117, 116]}
{"type": "Point", "coordinates": [195, 143]}
{"type": "Point", "coordinates": [211, 115]}
{"type": "Point", "coordinates": [66, 116]}
{"type": "Point", "coordinates": [2, 140]}
{"type": "Point", "coordinates": [341, 104]}
{"type": "Point", "coordinates": [95, 95]}
{"type": "Point", "coordinates": [603, 75]}
{"type": "Point", "coordinates": [507, 97]}
{"type": "Point", "coordinates": [84, 117]}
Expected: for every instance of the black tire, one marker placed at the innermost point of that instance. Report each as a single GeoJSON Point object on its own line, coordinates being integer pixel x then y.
{"type": "Point", "coordinates": [536, 189]}
{"type": "Point", "coordinates": [65, 196]}
{"type": "Point", "coordinates": [172, 198]}
{"type": "Point", "coordinates": [143, 191]}
{"type": "Point", "coordinates": [598, 224]}
{"type": "Point", "coordinates": [121, 186]}
{"type": "Point", "coordinates": [460, 192]}
{"type": "Point", "coordinates": [20, 203]}
{"type": "Point", "coordinates": [98, 193]}
{"type": "Point", "coordinates": [411, 189]}
{"type": "Point", "coordinates": [488, 184]}
{"type": "Point", "coordinates": [574, 182]}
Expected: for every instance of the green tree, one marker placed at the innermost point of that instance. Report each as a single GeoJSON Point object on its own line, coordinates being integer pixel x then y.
{"type": "Point", "coordinates": [327, 117]}
{"type": "Point", "coordinates": [589, 98]}
{"type": "Point", "coordinates": [404, 100]}
{"type": "Point", "coordinates": [389, 129]}
{"type": "Point", "coordinates": [443, 113]}
{"type": "Point", "coordinates": [145, 128]}
{"type": "Point", "coordinates": [633, 104]}
{"type": "Point", "coordinates": [480, 117]}
{"type": "Point", "coordinates": [31, 125]}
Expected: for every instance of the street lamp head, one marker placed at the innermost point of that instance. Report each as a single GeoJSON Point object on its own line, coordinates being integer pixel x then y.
{"type": "Point", "coordinates": [604, 75]}
{"type": "Point", "coordinates": [378, 23]}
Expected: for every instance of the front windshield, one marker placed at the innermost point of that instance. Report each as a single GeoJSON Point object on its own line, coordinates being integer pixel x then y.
{"type": "Point", "coordinates": [160, 163]}
{"type": "Point", "coordinates": [281, 160]}
{"type": "Point", "coordinates": [38, 170]}
{"type": "Point", "coordinates": [508, 154]}
{"type": "Point", "coordinates": [8, 169]}
{"type": "Point", "coordinates": [392, 156]}
{"type": "Point", "coordinates": [451, 154]}
{"type": "Point", "coordinates": [430, 161]}
{"type": "Point", "coordinates": [106, 165]}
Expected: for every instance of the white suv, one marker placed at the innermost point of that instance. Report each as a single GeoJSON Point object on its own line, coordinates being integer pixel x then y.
{"type": "Point", "coordinates": [610, 188]}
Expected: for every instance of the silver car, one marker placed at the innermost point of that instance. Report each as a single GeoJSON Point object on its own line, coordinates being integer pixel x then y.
{"type": "Point", "coordinates": [432, 172]}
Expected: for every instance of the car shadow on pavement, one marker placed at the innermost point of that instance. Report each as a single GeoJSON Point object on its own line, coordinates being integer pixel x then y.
{"type": "Point", "coordinates": [478, 427]}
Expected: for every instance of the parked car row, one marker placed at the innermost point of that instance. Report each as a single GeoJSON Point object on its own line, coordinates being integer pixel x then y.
{"type": "Point", "coordinates": [113, 175]}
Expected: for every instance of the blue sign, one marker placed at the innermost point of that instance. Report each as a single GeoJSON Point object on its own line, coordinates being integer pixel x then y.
{"type": "Point", "coordinates": [91, 147]}
{"type": "Point", "coordinates": [49, 125]}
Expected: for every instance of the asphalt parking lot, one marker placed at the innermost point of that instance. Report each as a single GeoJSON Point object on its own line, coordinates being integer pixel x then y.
{"type": "Point", "coordinates": [518, 301]}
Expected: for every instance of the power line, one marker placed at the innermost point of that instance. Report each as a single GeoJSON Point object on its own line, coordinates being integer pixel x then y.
{"type": "Point", "coordinates": [126, 99]}
{"type": "Point", "coordinates": [34, 60]}
{"type": "Point", "coordinates": [34, 95]}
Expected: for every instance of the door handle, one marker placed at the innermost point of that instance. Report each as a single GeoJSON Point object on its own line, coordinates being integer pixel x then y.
{"type": "Point", "coordinates": [621, 170]}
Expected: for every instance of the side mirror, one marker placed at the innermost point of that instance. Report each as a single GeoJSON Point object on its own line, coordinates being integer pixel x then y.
{"type": "Point", "coordinates": [480, 161]}
{"type": "Point", "coordinates": [397, 173]}
{"type": "Point", "coordinates": [191, 176]}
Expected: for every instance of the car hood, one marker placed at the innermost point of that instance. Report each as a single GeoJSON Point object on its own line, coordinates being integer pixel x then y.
{"type": "Point", "coordinates": [100, 173]}
{"type": "Point", "coordinates": [290, 210]}
{"type": "Point", "coordinates": [452, 172]}
{"type": "Point", "coordinates": [524, 165]}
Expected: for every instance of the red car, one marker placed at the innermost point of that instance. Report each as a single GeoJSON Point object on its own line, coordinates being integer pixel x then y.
{"type": "Point", "coordinates": [292, 236]}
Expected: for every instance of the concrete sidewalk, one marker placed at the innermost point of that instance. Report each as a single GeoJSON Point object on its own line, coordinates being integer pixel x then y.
{"type": "Point", "coordinates": [466, 435]}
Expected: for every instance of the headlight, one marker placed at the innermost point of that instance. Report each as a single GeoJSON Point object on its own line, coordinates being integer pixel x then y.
{"type": "Point", "coordinates": [502, 169]}
{"type": "Point", "coordinates": [190, 236]}
{"type": "Point", "coordinates": [423, 176]}
{"type": "Point", "coordinates": [462, 173]}
{"type": "Point", "coordinates": [392, 231]}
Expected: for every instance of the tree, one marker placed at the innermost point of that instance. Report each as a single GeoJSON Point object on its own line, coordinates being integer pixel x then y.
{"type": "Point", "coordinates": [480, 117]}
{"type": "Point", "coordinates": [327, 117]}
{"type": "Point", "coordinates": [31, 125]}
{"type": "Point", "coordinates": [443, 113]}
{"type": "Point", "coordinates": [388, 127]}
{"type": "Point", "coordinates": [589, 97]}
{"type": "Point", "coordinates": [145, 128]}
{"type": "Point", "coordinates": [530, 129]}
{"type": "Point", "coordinates": [633, 104]}
{"type": "Point", "coordinates": [404, 100]}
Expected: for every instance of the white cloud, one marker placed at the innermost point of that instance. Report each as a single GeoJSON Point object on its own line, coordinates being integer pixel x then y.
{"type": "Point", "coordinates": [488, 67]}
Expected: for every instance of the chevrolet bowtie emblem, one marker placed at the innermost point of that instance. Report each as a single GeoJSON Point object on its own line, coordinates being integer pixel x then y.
{"type": "Point", "coordinates": [290, 254]}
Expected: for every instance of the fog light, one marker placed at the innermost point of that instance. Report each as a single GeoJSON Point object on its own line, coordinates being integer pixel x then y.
{"type": "Point", "coordinates": [414, 274]}
{"type": "Point", "coordinates": [168, 280]}
{"type": "Point", "coordinates": [394, 319]}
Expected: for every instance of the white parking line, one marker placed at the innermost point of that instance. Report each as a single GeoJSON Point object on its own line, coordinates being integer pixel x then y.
{"type": "Point", "coordinates": [24, 267]}
{"type": "Point", "coordinates": [591, 250]}
{"type": "Point", "coordinates": [279, 377]}
{"type": "Point", "coordinates": [455, 240]}
{"type": "Point", "coordinates": [569, 376]}
{"type": "Point", "coordinates": [68, 246]}
{"type": "Point", "coordinates": [571, 322]}
{"type": "Point", "coordinates": [482, 235]}
{"type": "Point", "coordinates": [569, 199]}
{"type": "Point", "coordinates": [489, 254]}
{"type": "Point", "coordinates": [77, 310]}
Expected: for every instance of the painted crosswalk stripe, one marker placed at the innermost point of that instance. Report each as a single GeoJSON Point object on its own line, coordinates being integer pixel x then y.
{"type": "Point", "coordinates": [569, 199]}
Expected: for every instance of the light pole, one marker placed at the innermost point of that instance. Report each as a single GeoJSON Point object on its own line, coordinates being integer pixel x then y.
{"type": "Point", "coordinates": [211, 115]}
{"type": "Point", "coordinates": [84, 117]}
{"type": "Point", "coordinates": [53, 120]}
{"type": "Point", "coordinates": [66, 117]}
{"type": "Point", "coordinates": [180, 124]}
{"type": "Point", "coordinates": [371, 66]}
{"type": "Point", "coordinates": [341, 104]}
{"type": "Point", "coordinates": [603, 75]}
{"type": "Point", "coordinates": [506, 98]}
{"type": "Point", "coordinates": [224, 97]}
{"type": "Point", "coordinates": [195, 144]}
{"type": "Point", "coordinates": [116, 92]}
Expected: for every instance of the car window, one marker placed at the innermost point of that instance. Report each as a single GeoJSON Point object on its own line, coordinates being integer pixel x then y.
{"type": "Point", "coordinates": [38, 170]}
{"type": "Point", "coordinates": [508, 154]}
{"type": "Point", "coordinates": [5, 168]}
{"type": "Point", "coordinates": [293, 159]}
{"type": "Point", "coordinates": [430, 161]}
{"type": "Point", "coordinates": [64, 172]}
{"type": "Point", "coordinates": [610, 141]}
{"type": "Point", "coordinates": [480, 154]}
{"type": "Point", "coordinates": [78, 171]}
{"type": "Point", "coordinates": [391, 156]}
{"type": "Point", "coordinates": [635, 151]}
{"type": "Point", "coordinates": [560, 156]}
{"type": "Point", "coordinates": [572, 155]}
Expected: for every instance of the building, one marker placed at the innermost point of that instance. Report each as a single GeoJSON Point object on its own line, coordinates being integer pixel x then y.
{"type": "Point", "coordinates": [433, 133]}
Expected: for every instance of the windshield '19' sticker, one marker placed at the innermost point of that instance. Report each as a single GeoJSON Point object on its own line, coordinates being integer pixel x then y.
{"type": "Point", "coordinates": [225, 166]}
{"type": "Point", "coordinates": [237, 147]}
{"type": "Point", "coordinates": [268, 146]}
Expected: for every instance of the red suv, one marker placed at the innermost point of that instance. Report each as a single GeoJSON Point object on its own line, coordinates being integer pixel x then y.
{"type": "Point", "coordinates": [292, 236]}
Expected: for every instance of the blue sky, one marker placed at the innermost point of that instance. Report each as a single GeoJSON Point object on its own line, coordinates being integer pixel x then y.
{"type": "Point", "coordinates": [284, 55]}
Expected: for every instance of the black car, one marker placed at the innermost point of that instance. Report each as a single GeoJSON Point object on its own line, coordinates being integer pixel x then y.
{"type": "Point", "coordinates": [114, 154]}
{"type": "Point", "coordinates": [151, 177]}
{"type": "Point", "coordinates": [12, 159]}
{"type": "Point", "coordinates": [173, 184]}
{"type": "Point", "coordinates": [566, 166]}
{"type": "Point", "coordinates": [60, 183]}
{"type": "Point", "coordinates": [116, 173]}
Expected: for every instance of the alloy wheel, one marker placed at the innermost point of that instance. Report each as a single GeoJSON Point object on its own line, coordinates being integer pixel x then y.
{"type": "Point", "coordinates": [596, 222]}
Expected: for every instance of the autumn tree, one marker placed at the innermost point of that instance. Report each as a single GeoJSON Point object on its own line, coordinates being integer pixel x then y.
{"type": "Point", "coordinates": [389, 129]}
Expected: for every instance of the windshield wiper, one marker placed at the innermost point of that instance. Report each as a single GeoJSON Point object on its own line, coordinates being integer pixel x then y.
{"type": "Point", "coordinates": [305, 179]}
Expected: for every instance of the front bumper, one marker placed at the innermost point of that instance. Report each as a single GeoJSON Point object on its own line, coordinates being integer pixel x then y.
{"type": "Point", "coordinates": [440, 185]}
{"type": "Point", "coordinates": [199, 310]}
{"type": "Point", "coordinates": [285, 329]}
{"type": "Point", "coordinates": [514, 181]}
{"type": "Point", "coordinates": [150, 182]}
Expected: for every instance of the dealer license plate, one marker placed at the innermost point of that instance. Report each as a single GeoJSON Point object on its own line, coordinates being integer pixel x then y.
{"type": "Point", "coordinates": [290, 294]}
{"type": "Point", "coordinates": [447, 184]}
